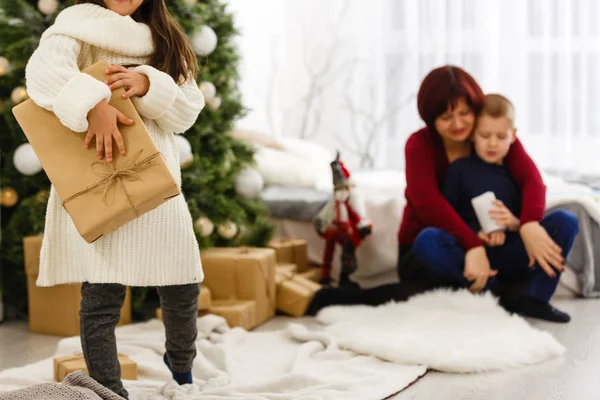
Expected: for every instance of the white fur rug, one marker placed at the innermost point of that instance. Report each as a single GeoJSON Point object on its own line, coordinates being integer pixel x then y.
{"type": "Point", "coordinates": [443, 330]}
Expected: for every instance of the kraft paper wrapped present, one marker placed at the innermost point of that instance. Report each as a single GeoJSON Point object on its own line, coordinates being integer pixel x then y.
{"type": "Point", "coordinates": [294, 294]}
{"type": "Point", "coordinates": [312, 274]}
{"type": "Point", "coordinates": [242, 273]}
{"type": "Point", "coordinates": [237, 313]}
{"type": "Point", "coordinates": [55, 310]}
{"type": "Point", "coordinates": [63, 366]}
{"type": "Point", "coordinates": [291, 251]}
{"type": "Point", "coordinates": [117, 192]}
{"type": "Point", "coordinates": [289, 268]}
{"type": "Point", "coordinates": [205, 298]}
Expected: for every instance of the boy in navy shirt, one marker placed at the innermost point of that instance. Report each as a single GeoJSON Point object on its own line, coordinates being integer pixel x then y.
{"type": "Point", "coordinates": [481, 172]}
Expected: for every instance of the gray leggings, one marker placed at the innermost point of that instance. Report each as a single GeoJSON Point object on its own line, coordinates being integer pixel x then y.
{"type": "Point", "coordinates": [99, 315]}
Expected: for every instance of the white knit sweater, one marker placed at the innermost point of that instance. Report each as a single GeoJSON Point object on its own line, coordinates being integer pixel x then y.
{"type": "Point", "coordinates": [159, 248]}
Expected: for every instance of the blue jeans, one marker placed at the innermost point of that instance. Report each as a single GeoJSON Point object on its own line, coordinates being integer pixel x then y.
{"type": "Point", "coordinates": [441, 252]}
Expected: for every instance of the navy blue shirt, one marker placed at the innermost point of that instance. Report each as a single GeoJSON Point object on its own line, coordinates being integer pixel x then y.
{"type": "Point", "coordinates": [470, 177]}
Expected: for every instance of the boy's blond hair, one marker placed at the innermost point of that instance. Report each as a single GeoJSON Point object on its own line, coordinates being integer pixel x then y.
{"type": "Point", "coordinates": [498, 106]}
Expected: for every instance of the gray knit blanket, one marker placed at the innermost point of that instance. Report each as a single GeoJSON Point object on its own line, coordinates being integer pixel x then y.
{"type": "Point", "coordinates": [75, 386]}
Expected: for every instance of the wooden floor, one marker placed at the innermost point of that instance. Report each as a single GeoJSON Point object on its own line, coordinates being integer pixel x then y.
{"type": "Point", "coordinates": [574, 377]}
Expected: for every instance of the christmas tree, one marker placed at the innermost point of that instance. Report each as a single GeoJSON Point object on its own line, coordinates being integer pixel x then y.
{"type": "Point", "coordinates": [218, 182]}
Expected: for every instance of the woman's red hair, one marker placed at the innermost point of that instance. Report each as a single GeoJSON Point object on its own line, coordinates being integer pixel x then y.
{"type": "Point", "coordinates": [442, 87]}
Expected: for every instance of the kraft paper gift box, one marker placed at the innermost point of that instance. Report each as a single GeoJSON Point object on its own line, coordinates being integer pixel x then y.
{"type": "Point", "coordinates": [294, 294]}
{"type": "Point", "coordinates": [288, 268]}
{"type": "Point", "coordinates": [291, 251]}
{"type": "Point", "coordinates": [117, 192]}
{"type": "Point", "coordinates": [242, 273]}
{"type": "Point", "coordinates": [205, 298]}
{"type": "Point", "coordinates": [63, 366]}
{"type": "Point", "coordinates": [55, 310]}
{"type": "Point", "coordinates": [312, 274]}
{"type": "Point", "coordinates": [237, 313]}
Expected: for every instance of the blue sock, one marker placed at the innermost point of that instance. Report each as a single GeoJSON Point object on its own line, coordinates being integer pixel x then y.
{"type": "Point", "coordinates": [181, 378]}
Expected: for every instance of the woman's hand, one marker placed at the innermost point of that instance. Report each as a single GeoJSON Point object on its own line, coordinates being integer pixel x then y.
{"type": "Point", "coordinates": [541, 248]}
{"type": "Point", "coordinates": [493, 239]}
{"type": "Point", "coordinates": [503, 217]}
{"type": "Point", "coordinates": [477, 268]}
{"type": "Point", "coordinates": [103, 120]}
{"type": "Point", "coordinates": [135, 83]}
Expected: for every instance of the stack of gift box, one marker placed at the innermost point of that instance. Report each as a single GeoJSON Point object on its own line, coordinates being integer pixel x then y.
{"type": "Point", "coordinates": [246, 285]}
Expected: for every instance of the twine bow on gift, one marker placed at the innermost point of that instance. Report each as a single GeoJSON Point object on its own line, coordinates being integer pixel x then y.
{"type": "Point", "coordinates": [110, 175]}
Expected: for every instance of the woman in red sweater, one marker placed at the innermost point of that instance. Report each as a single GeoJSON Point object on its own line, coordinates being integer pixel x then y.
{"type": "Point", "coordinates": [448, 101]}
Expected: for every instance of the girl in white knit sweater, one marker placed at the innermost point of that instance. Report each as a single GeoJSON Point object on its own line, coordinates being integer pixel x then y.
{"type": "Point", "coordinates": [151, 57]}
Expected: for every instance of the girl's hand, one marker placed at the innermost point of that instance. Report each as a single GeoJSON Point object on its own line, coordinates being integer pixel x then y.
{"type": "Point", "coordinates": [103, 120]}
{"type": "Point", "coordinates": [503, 217]}
{"type": "Point", "coordinates": [135, 83]}
{"type": "Point", "coordinates": [541, 248]}
{"type": "Point", "coordinates": [477, 268]}
{"type": "Point", "coordinates": [493, 239]}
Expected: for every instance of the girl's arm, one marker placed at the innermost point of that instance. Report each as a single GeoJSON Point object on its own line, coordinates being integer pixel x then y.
{"type": "Point", "coordinates": [174, 108]}
{"type": "Point", "coordinates": [528, 178]}
{"type": "Point", "coordinates": [423, 192]}
{"type": "Point", "coordinates": [55, 83]}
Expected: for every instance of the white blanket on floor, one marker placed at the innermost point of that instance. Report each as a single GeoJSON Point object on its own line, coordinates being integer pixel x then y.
{"type": "Point", "coordinates": [447, 331]}
{"type": "Point", "coordinates": [295, 364]}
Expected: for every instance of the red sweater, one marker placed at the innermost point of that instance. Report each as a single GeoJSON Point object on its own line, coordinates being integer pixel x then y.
{"type": "Point", "coordinates": [426, 167]}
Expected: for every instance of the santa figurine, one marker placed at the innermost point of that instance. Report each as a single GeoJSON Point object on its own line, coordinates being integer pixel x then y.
{"type": "Point", "coordinates": [342, 221]}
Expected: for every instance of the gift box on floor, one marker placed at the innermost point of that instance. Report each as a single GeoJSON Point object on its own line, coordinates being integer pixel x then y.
{"type": "Point", "coordinates": [63, 366]}
{"type": "Point", "coordinates": [312, 274]}
{"type": "Point", "coordinates": [291, 251]}
{"type": "Point", "coordinates": [55, 310]}
{"type": "Point", "coordinates": [237, 313]}
{"type": "Point", "coordinates": [294, 293]}
{"type": "Point", "coordinates": [118, 192]}
{"type": "Point", "coordinates": [204, 302]}
{"type": "Point", "coordinates": [287, 268]}
{"type": "Point", "coordinates": [242, 273]}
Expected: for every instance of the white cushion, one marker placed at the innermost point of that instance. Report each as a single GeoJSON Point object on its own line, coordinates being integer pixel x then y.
{"type": "Point", "coordinates": [284, 169]}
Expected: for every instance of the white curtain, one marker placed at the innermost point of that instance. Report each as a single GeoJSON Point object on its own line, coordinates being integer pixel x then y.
{"type": "Point", "coordinates": [345, 73]}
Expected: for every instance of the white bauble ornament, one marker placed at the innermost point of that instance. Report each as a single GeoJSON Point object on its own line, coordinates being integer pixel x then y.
{"type": "Point", "coordinates": [4, 66]}
{"type": "Point", "coordinates": [249, 183]}
{"type": "Point", "coordinates": [186, 160]}
{"type": "Point", "coordinates": [26, 161]}
{"type": "Point", "coordinates": [215, 103]}
{"type": "Point", "coordinates": [227, 230]}
{"type": "Point", "coordinates": [48, 6]}
{"type": "Point", "coordinates": [209, 91]}
{"type": "Point", "coordinates": [204, 40]}
{"type": "Point", "coordinates": [183, 145]}
{"type": "Point", "coordinates": [204, 226]}
{"type": "Point", "coordinates": [18, 94]}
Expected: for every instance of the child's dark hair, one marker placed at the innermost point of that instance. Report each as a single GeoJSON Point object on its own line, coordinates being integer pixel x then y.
{"type": "Point", "coordinates": [173, 53]}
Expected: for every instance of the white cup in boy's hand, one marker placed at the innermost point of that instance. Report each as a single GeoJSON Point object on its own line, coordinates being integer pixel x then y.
{"type": "Point", "coordinates": [482, 205]}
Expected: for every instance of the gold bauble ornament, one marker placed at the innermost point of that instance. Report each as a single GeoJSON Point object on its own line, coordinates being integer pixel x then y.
{"type": "Point", "coordinates": [8, 197]}
{"type": "Point", "coordinates": [18, 94]}
{"type": "Point", "coordinates": [4, 66]}
{"type": "Point", "coordinates": [227, 230]}
{"type": "Point", "coordinates": [204, 226]}
{"type": "Point", "coordinates": [42, 196]}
